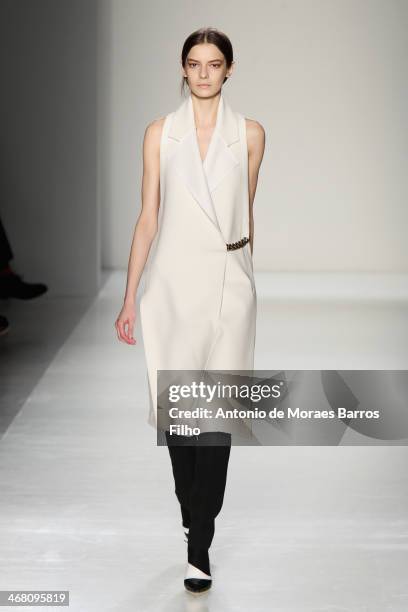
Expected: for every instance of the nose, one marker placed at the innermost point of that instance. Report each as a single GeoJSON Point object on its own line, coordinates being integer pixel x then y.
{"type": "Point", "coordinates": [203, 73]}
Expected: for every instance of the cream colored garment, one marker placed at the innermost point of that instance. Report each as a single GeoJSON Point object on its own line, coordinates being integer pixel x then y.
{"type": "Point", "coordinates": [198, 308]}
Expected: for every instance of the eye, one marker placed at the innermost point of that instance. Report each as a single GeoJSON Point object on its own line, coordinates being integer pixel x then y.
{"type": "Point", "coordinates": [216, 65]}
{"type": "Point", "coordinates": [192, 64]}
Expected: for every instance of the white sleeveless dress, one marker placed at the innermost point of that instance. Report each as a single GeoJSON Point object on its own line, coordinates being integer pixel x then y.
{"type": "Point", "coordinates": [199, 304]}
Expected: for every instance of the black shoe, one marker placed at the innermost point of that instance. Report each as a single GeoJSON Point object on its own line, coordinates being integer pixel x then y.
{"type": "Point", "coordinates": [12, 285]}
{"type": "Point", "coordinates": [195, 580]}
{"type": "Point", "coordinates": [197, 585]}
{"type": "Point", "coordinates": [4, 325]}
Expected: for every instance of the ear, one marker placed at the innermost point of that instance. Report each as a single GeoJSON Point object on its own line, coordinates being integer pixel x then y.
{"type": "Point", "coordinates": [230, 69]}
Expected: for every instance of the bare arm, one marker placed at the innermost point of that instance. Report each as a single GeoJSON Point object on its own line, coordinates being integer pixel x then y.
{"type": "Point", "coordinates": [256, 148]}
{"type": "Point", "coordinates": [145, 229]}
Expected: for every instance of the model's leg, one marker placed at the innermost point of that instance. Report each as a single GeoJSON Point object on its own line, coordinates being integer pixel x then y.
{"type": "Point", "coordinates": [183, 460]}
{"type": "Point", "coordinates": [207, 495]}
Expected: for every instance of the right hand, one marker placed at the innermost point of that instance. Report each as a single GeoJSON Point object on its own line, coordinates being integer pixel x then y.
{"type": "Point", "coordinates": [124, 324]}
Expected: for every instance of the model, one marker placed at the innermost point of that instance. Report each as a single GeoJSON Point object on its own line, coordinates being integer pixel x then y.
{"type": "Point", "coordinates": [196, 230]}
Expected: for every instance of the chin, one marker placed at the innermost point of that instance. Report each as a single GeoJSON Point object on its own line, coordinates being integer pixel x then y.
{"type": "Point", "coordinates": [205, 91]}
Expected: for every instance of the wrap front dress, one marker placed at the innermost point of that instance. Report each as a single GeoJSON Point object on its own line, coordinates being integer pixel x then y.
{"type": "Point", "coordinates": [198, 308]}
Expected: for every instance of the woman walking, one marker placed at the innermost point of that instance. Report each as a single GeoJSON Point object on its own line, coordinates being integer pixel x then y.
{"type": "Point", "coordinates": [198, 308]}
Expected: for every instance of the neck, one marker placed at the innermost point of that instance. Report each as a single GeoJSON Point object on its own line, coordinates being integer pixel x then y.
{"type": "Point", "coordinates": [205, 110]}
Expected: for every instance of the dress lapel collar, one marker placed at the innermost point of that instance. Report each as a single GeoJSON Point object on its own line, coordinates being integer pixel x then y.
{"type": "Point", "coordinates": [200, 178]}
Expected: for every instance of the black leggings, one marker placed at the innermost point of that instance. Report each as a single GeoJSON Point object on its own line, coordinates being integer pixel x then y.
{"type": "Point", "coordinates": [200, 476]}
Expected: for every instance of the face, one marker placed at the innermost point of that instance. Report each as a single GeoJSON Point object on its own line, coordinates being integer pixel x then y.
{"type": "Point", "coordinates": [205, 69]}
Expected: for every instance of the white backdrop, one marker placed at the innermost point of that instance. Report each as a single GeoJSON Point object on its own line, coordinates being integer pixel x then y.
{"type": "Point", "coordinates": [327, 81]}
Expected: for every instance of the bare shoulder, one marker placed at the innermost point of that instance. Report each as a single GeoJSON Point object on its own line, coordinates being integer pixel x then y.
{"type": "Point", "coordinates": [153, 133]}
{"type": "Point", "coordinates": [255, 140]}
{"type": "Point", "coordinates": [255, 132]}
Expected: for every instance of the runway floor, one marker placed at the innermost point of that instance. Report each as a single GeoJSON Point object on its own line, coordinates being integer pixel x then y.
{"type": "Point", "coordinates": [87, 498]}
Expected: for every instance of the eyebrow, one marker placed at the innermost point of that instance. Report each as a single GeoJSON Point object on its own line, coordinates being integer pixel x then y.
{"type": "Point", "coordinates": [190, 59]}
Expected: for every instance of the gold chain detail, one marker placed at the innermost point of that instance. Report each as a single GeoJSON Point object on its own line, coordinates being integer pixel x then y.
{"type": "Point", "coordinates": [237, 245]}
